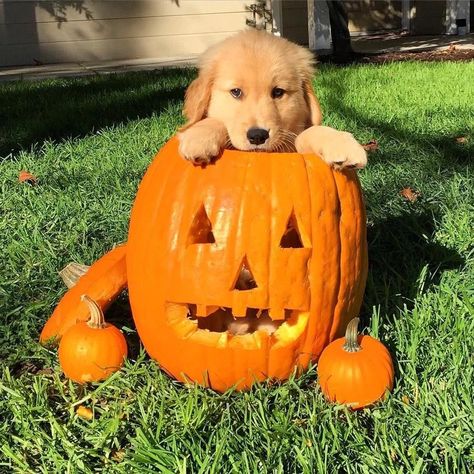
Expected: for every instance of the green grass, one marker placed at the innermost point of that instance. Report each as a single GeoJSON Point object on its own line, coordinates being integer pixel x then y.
{"type": "Point", "coordinates": [90, 140]}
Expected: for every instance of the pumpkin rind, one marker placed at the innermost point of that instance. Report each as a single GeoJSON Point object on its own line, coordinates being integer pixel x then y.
{"type": "Point", "coordinates": [357, 378]}
{"type": "Point", "coordinates": [92, 351]}
{"type": "Point", "coordinates": [248, 199]}
{"type": "Point", "coordinates": [103, 282]}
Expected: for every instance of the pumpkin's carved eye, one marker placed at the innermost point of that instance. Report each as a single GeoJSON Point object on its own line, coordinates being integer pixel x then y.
{"type": "Point", "coordinates": [201, 229]}
{"type": "Point", "coordinates": [292, 236]}
{"type": "Point", "coordinates": [245, 279]}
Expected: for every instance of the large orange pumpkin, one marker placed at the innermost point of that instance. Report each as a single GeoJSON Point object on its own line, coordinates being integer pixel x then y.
{"type": "Point", "coordinates": [280, 237]}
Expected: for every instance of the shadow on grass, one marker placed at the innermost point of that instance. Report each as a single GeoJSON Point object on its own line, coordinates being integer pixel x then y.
{"type": "Point", "coordinates": [403, 260]}
{"type": "Point", "coordinates": [31, 112]}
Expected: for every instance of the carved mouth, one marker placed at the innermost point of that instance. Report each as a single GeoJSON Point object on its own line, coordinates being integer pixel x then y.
{"type": "Point", "coordinates": [222, 320]}
{"type": "Point", "coordinates": [219, 327]}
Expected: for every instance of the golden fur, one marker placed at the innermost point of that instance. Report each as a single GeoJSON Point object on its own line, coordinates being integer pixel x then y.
{"type": "Point", "coordinates": [256, 63]}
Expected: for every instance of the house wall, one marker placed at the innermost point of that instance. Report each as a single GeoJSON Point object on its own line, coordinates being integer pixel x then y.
{"type": "Point", "coordinates": [429, 17]}
{"type": "Point", "coordinates": [295, 20]}
{"type": "Point", "coordinates": [366, 16]}
{"type": "Point", "coordinates": [96, 30]}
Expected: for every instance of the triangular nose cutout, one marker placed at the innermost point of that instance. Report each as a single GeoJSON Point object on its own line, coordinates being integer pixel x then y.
{"type": "Point", "coordinates": [291, 238]}
{"type": "Point", "coordinates": [245, 279]}
{"type": "Point", "coordinates": [201, 229]}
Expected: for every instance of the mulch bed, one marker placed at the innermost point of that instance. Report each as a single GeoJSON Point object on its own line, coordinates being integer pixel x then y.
{"type": "Point", "coordinates": [450, 54]}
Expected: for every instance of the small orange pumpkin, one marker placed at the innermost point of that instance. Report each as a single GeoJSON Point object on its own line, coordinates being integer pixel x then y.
{"type": "Point", "coordinates": [355, 370]}
{"type": "Point", "coordinates": [103, 282]}
{"type": "Point", "coordinates": [273, 237]}
{"type": "Point", "coordinates": [91, 351]}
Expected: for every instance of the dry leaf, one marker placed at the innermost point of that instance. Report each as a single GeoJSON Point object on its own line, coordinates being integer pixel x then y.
{"type": "Point", "coordinates": [84, 412]}
{"type": "Point", "coordinates": [27, 177]}
{"type": "Point", "coordinates": [451, 48]}
{"type": "Point", "coordinates": [461, 140]}
{"type": "Point", "coordinates": [372, 145]}
{"type": "Point", "coordinates": [309, 443]}
{"type": "Point", "coordinates": [405, 400]}
{"type": "Point", "coordinates": [410, 194]}
{"type": "Point", "coordinates": [118, 456]}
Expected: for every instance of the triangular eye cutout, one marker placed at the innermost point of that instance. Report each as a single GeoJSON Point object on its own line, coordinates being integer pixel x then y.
{"type": "Point", "coordinates": [292, 237]}
{"type": "Point", "coordinates": [245, 279]}
{"type": "Point", "coordinates": [201, 229]}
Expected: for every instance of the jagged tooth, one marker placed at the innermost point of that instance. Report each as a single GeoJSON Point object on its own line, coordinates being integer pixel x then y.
{"type": "Point", "coordinates": [203, 310]}
{"type": "Point", "coordinates": [239, 309]}
{"type": "Point", "coordinates": [277, 314]}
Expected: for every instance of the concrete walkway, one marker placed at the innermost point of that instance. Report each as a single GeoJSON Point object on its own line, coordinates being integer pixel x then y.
{"type": "Point", "coordinates": [364, 44]}
{"type": "Point", "coordinates": [51, 71]}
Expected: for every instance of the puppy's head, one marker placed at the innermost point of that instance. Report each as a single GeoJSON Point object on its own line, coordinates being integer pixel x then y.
{"type": "Point", "coordinates": [259, 86]}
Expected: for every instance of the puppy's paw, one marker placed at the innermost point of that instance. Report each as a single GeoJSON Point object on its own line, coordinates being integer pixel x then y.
{"type": "Point", "coordinates": [338, 149]}
{"type": "Point", "coordinates": [197, 147]}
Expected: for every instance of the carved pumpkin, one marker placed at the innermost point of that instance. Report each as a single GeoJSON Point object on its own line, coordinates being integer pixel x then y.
{"type": "Point", "coordinates": [272, 243]}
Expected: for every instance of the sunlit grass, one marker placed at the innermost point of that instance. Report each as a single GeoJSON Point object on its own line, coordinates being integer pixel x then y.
{"type": "Point", "coordinates": [89, 142]}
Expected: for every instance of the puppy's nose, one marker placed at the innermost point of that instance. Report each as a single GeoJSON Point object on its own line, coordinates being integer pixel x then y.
{"type": "Point", "coordinates": [257, 136]}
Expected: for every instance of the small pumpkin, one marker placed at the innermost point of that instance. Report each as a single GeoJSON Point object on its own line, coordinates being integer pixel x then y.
{"type": "Point", "coordinates": [255, 241]}
{"type": "Point", "coordinates": [355, 370]}
{"type": "Point", "coordinates": [92, 350]}
{"type": "Point", "coordinates": [103, 282]}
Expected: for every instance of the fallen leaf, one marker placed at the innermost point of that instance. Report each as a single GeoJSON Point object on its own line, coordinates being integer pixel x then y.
{"type": "Point", "coordinates": [461, 140]}
{"type": "Point", "coordinates": [27, 177]}
{"type": "Point", "coordinates": [309, 443]}
{"type": "Point", "coordinates": [405, 400]}
{"type": "Point", "coordinates": [84, 412]}
{"type": "Point", "coordinates": [118, 455]}
{"type": "Point", "coordinates": [451, 48]}
{"type": "Point", "coordinates": [410, 194]}
{"type": "Point", "coordinates": [372, 145]}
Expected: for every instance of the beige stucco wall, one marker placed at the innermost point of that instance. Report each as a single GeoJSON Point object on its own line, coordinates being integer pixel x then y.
{"type": "Point", "coordinates": [97, 30]}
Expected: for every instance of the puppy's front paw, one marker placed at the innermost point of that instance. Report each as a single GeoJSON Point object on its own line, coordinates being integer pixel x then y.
{"type": "Point", "coordinates": [197, 147]}
{"type": "Point", "coordinates": [338, 149]}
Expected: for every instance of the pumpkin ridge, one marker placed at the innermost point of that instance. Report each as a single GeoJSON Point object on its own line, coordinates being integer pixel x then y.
{"type": "Point", "coordinates": [351, 258]}
{"type": "Point", "coordinates": [341, 247]}
{"type": "Point", "coordinates": [323, 293]}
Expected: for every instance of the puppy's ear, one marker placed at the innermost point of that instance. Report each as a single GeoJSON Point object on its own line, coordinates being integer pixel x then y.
{"type": "Point", "coordinates": [315, 114]}
{"type": "Point", "coordinates": [197, 97]}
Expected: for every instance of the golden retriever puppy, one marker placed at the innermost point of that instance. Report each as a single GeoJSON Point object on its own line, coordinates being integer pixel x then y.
{"type": "Point", "coordinates": [254, 93]}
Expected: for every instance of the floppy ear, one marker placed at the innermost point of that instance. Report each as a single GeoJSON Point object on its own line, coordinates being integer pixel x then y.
{"type": "Point", "coordinates": [316, 116]}
{"type": "Point", "coordinates": [197, 97]}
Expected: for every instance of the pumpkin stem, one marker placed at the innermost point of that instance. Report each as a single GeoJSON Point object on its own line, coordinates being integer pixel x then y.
{"type": "Point", "coordinates": [71, 273]}
{"type": "Point", "coordinates": [96, 320]}
{"type": "Point", "coordinates": [351, 344]}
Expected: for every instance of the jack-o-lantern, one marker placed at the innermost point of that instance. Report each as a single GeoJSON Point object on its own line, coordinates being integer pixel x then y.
{"type": "Point", "coordinates": [245, 269]}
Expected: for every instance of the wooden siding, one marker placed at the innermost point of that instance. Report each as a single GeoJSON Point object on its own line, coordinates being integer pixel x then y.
{"type": "Point", "coordinates": [91, 30]}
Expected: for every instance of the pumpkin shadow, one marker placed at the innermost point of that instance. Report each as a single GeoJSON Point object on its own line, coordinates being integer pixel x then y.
{"type": "Point", "coordinates": [120, 314]}
{"type": "Point", "coordinates": [404, 262]}
{"type": "Point", "coordinates": [65, 108]}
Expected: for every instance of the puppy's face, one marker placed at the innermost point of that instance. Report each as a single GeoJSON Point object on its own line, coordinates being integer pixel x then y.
{"type": "Point", "coordinates": [259, 87]}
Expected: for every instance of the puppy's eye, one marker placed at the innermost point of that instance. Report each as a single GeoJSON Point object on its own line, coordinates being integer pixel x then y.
{"type": "Point", "coordinates": [236, 93]}
{"type": "Point", "coordinates": [277, 92]}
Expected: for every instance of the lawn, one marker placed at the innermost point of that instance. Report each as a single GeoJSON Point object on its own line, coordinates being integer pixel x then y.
{"type": "Point", "coordinates": [89, 142]}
